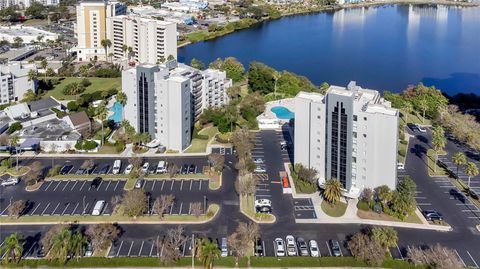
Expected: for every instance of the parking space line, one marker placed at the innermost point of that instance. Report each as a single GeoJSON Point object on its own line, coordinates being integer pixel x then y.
{"type": "Point", "coordinates": [76, 181]}
{"type": "Point", "coordinates": [35, 209]}
{"type": "Point", "coordinates": [163, 183]}
{"type": "Point", "coordinates": [131, 245]}
{"type": "Point", "coordinates": [191, 182]}
{"type": "Point", "coordinates": [5, 210]}
{"type": "Point", "coordinates": [424, 203]}
{"type": "Point", "coordinates": [171, 208]}
{"type": "Point", "coordinates": [85, 209]}
{"type": "Point", "coordinates": [116, 185]}
{"type": "Point", "coordinates": [141, 247]}
{"type": "Point", "coordinates": [200, 185]}
{"type": "Point", "coordinates": [153, 185]}
{"type": "Point", "coordinates": [189, 208]}
{"type": "Point", "coordinates": [30, 249]}
{"type": "Point", "coordinates": [329, 250]}
{"type": "Point", "coordinates": [108, 185]}
{"type": "Point", "coordinates": [476, 265]}
{"type": "Point", "coordinates": [401, 255]}
{"type": "Point", "coordinates": [45, 208]}
{"type": "Point", "coordinates": [180, 211]}
{"type": "Point", "coordinates": [184, 247]}
{"type": "Point", "coordinates": [151, 249]}
{"type": "Point", "coordinates": [171, 186]}
{"type": "Point", "coordinates": [48, 185]}
{"type": "Point", "coordinates": [118, 251]}
{"type": "Point", "coordinates": [181, 185]}
{"type": "Point", "coordinates": [63, 213]}
{"type": "Point", "coordinates": [456, 252]}
{"type": "Point", "coordinates": [59, 182]}
{"type": "Point", "coordinates": [53, 213]}
{"type": "Point", "coordinates": [100, 185]}
{"type": "Point", "coordinates": [82, 185]}
{"type": "Point", "coordinates": [65, 186]}
{"type": "Point", "coordinates": [73, 212]}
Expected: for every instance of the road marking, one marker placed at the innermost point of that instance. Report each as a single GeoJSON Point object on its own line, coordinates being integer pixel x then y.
{"type": "Point", "coordinates": [329, 250]}
{"type": "Point", "coordinates": [424, 204]}
{"type": "Point", "coordinates": [65, 209]}
{"type": "Point", "coordinates": [76, 181]}
{"type": "Point", "coordinates": [65, 185]}
{"type": "Point", "coordinates": [5, 209]}
{"type": "Point", "coordinates": [184, 247]}
{"type": "Point", "coordinates": [191, 182]}
{"type": "Point", "coordinates": [30, 249]}
{"type": "Point", "coordinates": [82, 185]}
{"type": "Point", "coordinates": [171, 186]}
{"type": "Point", "coordinates": [171, 208]}
{"type": "Point", "coordinates": [189, 208]}
{"type": "Point", "coordinates": [464, 265]}
{"type": "Point", "coordinates": [180, 211]}
{"type": "Point", "coordinates": [161, 250]}
{"type": "Point", "coordinates": [48, 185]}
{"type": "Point", "coordinates": [462, 204]}
{"type": "Point", "coordinates": [116, 185]}
{"type": "Point", "coordinates": [45, 209]}
{"type": "Point", "coordinates": [53, 213]}
{"type": "Point", "coordinates": [163, 183]}
{"type": "Point", "coordinates": [35, 209]}
{"type": "Point", "coordinates": [73, 212]}
{"type": "Point", "coordinates": [474, 218]}
{"type": "Point", "coordinates": [85, 209]}
{"type": "Point", "coordinates": [476, 265]}
{"type": "Point", "coordinates": [153, 185]}
{"type": "Point", "coordinates": [98, 188]}
{"type": "Point", "coordinates": [131, 245]}
{"type": "Point", "coordinates": [200, 186]}
{"type": "Point", "coordinates": [108, 185]}
{"type": "Point", "coordinates": [141, 247]}
{"type": "Point", "coordinates": [57, 185]}
{"type": "Point", "coordinates": [118, 251]}
{"type": "Point", "coordinates": [181, 185]}
{"type": "Point", "coordinates": [151, 250]}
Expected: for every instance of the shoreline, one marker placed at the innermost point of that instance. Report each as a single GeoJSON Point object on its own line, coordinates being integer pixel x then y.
{"type": "Point", "coordinates": [336, 8]}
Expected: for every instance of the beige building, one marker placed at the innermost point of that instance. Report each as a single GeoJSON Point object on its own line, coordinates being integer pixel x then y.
{"type": "Point", "coordinates": [91, 27]}
{"type": "Point", "coordinates": [150, 40]}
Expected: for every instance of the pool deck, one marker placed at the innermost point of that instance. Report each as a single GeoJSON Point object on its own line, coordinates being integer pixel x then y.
{"type": "Point", "coordinates": [270, 119]}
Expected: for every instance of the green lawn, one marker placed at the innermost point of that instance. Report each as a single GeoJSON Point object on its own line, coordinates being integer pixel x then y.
{"type": "Point", "coordinates": [13, 171]}
{"type": "Point", "coordinates": [432, 171]}
{"type": "Point", "coordinates": [414, 118]}
{"type": "Point", "coordinates": [335, 210]}
{"type": "Point", "coordinates": [200, 145]}
{"type": "Point", "coordinates": [403, 147]}
{"type": "Point", "coordinates": [35, 22]}
{"type": "Point", "coordinates": [98, 84]}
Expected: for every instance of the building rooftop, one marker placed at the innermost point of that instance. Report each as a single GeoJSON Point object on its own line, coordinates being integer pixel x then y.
{"type": "Point", "coordinates": [43, 104]}
{"type": "Point", "coordinates": [51, 130]}
{"type": "Point", "coordinates": [79, 118]}
{"type": "Point", "coordinates": [314, 96]}
{"type": "Point", "coordinates": [24, 31]}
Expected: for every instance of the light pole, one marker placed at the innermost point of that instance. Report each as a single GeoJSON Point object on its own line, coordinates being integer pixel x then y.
{"type": "Point", "coordinates": [193, 250]}
{"type": "Point", "coordinates": [204, 204]}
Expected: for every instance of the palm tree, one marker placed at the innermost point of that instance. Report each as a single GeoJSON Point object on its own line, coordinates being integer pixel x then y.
{"type": "Point", "coordinates": [209, 251]}
{"type": "Point", "coordinates": [471, 170]}
{"type": "Point", "coordinates": [77, 244]}
{"type": "Point", "coordinates": [32, 75]}
{"type": "Point", "coordinates": [424, 106]}
{"type": "Point", "coordinates": [438, 141]}
{"type": "Point", "coordinates": [408, 108]}
{"type": "Point", "coordinates": [124, 49]}
{"type": "Point", "coordinates": [102, 114]}
{"type": "Point", "coordinates": [43, 65]}
{"type": "Point", "coordinates": [14, 142]}
{"type": "Point", "coordinates": [106, 43]}
{"type": "Point", "coordinates": [110, 55]}
{"type": "Point", "coordinates": [61, 245]}
{"type": "Point", "coordinates": [459, 159]}
{"type": "Point", "coordinates": [332, 190]}
{"type": "Point", "coordinates": [11, 248]}
{"type": "Point", "coordinates": [130, 51]}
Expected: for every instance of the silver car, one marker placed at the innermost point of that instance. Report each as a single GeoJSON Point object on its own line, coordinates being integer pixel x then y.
{"type": "Point", "coordinates": [10, 182]}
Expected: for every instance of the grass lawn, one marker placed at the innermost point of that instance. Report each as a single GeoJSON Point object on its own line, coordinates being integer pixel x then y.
{"type": "Point", "coordinates": [440, 171]}
{"type": "Point", "coordinates": [415, 118]}
{"type": "Point", "coordinates": [382, 216]}
{"type": "Point", "coordinates": [13, 171]}
{"type": "Point", "coordinates": [215, 182]}
{"type": "Point", "coordinates": [335, 210]}
{"type": "Point", "coordinates": [401, 147]}
{"type": "Point", "coordinates": [105, 149]}
{"type": "Point", "coordinates": [35, 22]}
{"type": "Point", "coordinates": [200, 145]}
{"type": "Point", "coordinates": [98, 84]}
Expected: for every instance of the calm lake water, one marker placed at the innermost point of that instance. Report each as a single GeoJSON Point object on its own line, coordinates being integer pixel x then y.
{"type": "Point", "coordinates": [383, 48]}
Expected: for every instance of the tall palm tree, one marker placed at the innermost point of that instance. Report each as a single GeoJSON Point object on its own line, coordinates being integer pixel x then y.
{"type": "Point", "coordinates": [11, 248]}
{"type": "Point", "coordinates": [122, 99]}
{"type": "Point", "coordinates": [332, 190]}
{"type": "Point", "coordinates": [13, 143]}
{"type": "Point", "coordinates": [408, 108]}
{"type": "Point", "coordinates": [438, 141]}
{"type": "Point", "coordinates": [32, 75]}
{"type": "Point", "coordinates": [77, 244]}
{"type": "Point", "coordinates": [130, 52]}
{"type": "Point", "coordinates": [459, 159]}
{"type": "Point", "coordinates": [124, 49]}
{"type": "Point", "coordinates": [106, 43]}
{"type": "Point", "coordinates": [209, 251]}
{"type": "Point", "coordinates": [102, 114]}
{"type": "Point", "coordinates": [43, 65]}
{"type": "Point", "coordinates": [424, 106]}
{"type": "Point", "coordinates": [471, 170]}
{"type": "Point", "coordinates": [61, 245]}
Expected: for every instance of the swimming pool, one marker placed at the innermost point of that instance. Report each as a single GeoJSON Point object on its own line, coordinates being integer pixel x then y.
{"type": "Point", "coordinates": [283, 113]}
{"type": "Point", "coordinates": [117, 110]}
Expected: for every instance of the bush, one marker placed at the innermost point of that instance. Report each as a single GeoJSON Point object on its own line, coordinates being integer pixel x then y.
{"type": "Point", "coordinates": [60, 113]}
{"type": "Point", "coordinates": [54, 171]}
{"type": "Point", "coordinates": [362, 205]}
{"type": "Point", "coordinates": [403, 142]}
{"type": "Point", "coordinates": [72, 106]}
{"type": "Point", "coordinates": [8, 163]}
{"type": "Point", "coordinates": [402, 152]}
{"type": "Point", "coordinates": [224, 138]}
{"type": "Point", "coordinates": [73, 88]}
{"type": "Point", "coordinates": [16, 126]}
{"type": "Point", "coordinates": [119, 146]}
{"type": "Point", "coordinates": [85, 82]}
{"type": "Point", "coordinates": [86, 145]}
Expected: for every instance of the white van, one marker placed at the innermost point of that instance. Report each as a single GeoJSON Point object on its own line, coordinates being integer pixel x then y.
{"type": "Point", "coordinates": [97, 210]}
{"type": "Point", "coordinates": [162, 167]}
{"type": "Point", "coordinates": [116, 167]}
{"type": "Point", "coordinates": [224, 248]}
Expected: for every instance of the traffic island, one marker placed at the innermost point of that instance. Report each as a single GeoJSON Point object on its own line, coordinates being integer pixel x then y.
{"type": "Point", "coordinates": [212, 212]}
{"type": "Point", "coordinates": [335, 210]}
{"type": "Point", "coordinates": [22, 170]}
{"type": "Point", "coordinates": [247, 208]}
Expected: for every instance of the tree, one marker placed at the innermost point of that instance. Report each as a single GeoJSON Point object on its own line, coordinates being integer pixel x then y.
{"type": "Point", "coordinates": [47, 238]}
{"type": "Point", "coordinates": [61, 243]}
{"type": "Point", "coordinates": [12, 248]}
{"type": "Point", "coordinates": [208, 252]}
{"type": "Point", "coordinates": [437, 257]}
{"type": "Point", "coordinates": [16, 208]}
{"type": "Point", "coordinates": [4, 139]}
{"type": "Point", "coordinates": [172, 170]}
{"type": "Point", "coordinates": [261, 78]}
{"type": "Point", "coordinates": [36, 10]}
{"type": "Point", "coordinates": [101, 112]}
{"type": "Point", "coordinates": [134, 203]}
{"type": "Point", "coordinates": [306, 174]}
{"type": "Point", "coordinates": [17, 42]}
{"type": "Point", "coordinates": [170, 57]}
{"type": "Point", "coordinates": [43, 65]}
{"type": "Point", "coordinates": [162, 203]}
{"type": "Point", "coordinates": [87, 165]}
{"type": "Point", "coordinates": [423, 104]}
{"type": "Point", "coordinates": [233, 68]}
{"type": "Point", "coordinates": [471, 170]}
{"type": "Point", "coordinates": [77, 244]}
{"type": "Point", "coordinates": [383, 195]}
{"type": "Point", "coordinates": [35, 173]}
{"type": "Point", "coordinates": [32, 75]}
{"type": "Point", "coordinates": [29, 96]}
{"type": "Point", "coordinates": [16, 126]}
{"type": "Point", "coordinates": [367, 195]}
{"type": "Point", "coordinates": [238, 246]}
{"type": "Point", "coordinates": [102, 235]}
{"type": "Point", "coordinates": [332, 190]}
{"type": "Point", "coordinates": [246, 184]}
{"type": "Point", "coordinates": [217, 64]}
{"type": "Point", "coordinates": [364, 248]}
{"type": "Point", "coordinates": [106, 43]}
{"type": "Point", "coordinates": [459, 159]}
{"type": "Point", "coordinates": [195, 63]}
{"type": "Point", "coordinates": [172, 244]}
{"type": "Point", "coordinates": [386, 236]}
{"type": "Point", "coordinates": [242, 141]}
{"type": "Point", "coordinates": [439, 141]}
{"type": "Point", "coordinates": [196, 209]}
{"type": "Point", "coordinates": [122, 98]}
{"type": "Point", "coordinates": [217, 161]}
{"type": "Point", "coordinates": [408, 108]}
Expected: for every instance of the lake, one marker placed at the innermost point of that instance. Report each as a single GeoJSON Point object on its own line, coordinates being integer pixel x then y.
{"type": "Point", "coordinates": [385, 48]}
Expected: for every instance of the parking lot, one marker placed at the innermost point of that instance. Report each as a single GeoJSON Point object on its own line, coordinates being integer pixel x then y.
{"type": "Point", "coordinates": [303, 209]}
{"type": "Point", "coordinates": [474, 181]}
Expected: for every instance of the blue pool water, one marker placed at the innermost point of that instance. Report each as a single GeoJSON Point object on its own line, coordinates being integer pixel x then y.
{"type": "Point", "coordinates": [283, 112]}
{"type": "Point", "coordinates": [117, 110]}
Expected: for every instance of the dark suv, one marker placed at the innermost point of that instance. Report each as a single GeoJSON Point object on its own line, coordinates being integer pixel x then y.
{"type": "Point", "coordinates": [432, 215]}
{"type": "Point", "coordinates": [96, 182]}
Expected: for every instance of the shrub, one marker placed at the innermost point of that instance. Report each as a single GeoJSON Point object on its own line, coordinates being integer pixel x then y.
{"type": "Point", "coordinates": [73, 88]}
{"type": "Point", "coordinates": [119, 146]}
{"type": "Point", "coordinates": [402, 152]}
{"type": "Point", "coordinates": [72, 106]}
{"type": "Point", "coordinates": [362, 205]}
{"type": "Point", "coordinates": [16, 126]}
{"type": "Point", "coordinates": [54, 171]}
{"type": "Point", "coordinates": [86, 145]}
{"type": "Point", "coordinates": [224, 138]}
{"type": "Point", "coordinates": [85, 82]}
{"type": "Point", "coordinates": [404, 142]}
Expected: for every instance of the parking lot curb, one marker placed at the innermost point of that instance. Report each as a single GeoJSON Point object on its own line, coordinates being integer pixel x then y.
{"type": "Point", "coordinates": [255, 220]}
{"type": "Point", "coordinates": [40, 184]}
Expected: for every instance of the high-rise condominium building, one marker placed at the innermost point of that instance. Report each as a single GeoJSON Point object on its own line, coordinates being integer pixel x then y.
{"type": "Point", "coordinates": [14, 81]}
{"type": "Point", "coordinates": [26, 3]}
{"type": "Point", "coordinates": [165, 100]}
{"type": "Point", "coordinates": [349, 134]}
{"type": "Point", "coordinates": [91, 27]}
{"type": "Point", "coordinates": [144, 40]}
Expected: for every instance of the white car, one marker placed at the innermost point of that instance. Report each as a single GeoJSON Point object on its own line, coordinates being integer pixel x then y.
{"type": "Point", "coordinates": [312, 244]}
{"type": "Point", "coordinates": [129, 169]}
{"type": "Point", "coordinates": [291, 246]}
{"type": "Point", "coordinates": [263, 202]}
{"type": "Point", "coordinates": [258, 161]}
{"type": "Point", "coordinates": [260, 169]}
{"type": "Point", "coordinates": [421, 129]}
{"type": "Point", "coordinates": [145, 168]}
{"type": "Point", "coordinates": [117, 164]}
{"type": "Point", "coordinates": [279, 247]}
{"type": "Point", "coordinates": [400, 166]}
{"type": "Point", "coordinates": [10, 182]}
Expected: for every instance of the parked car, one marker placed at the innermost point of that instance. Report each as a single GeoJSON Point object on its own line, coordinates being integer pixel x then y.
{"type": "Point", "coordinates": [263, 209]}
{"type": "Point", "coordinates": [90, 170]}
{"type": "Point", "coordinates": [400, 166]}
{"type": "Point", "coordinates": [96, 182]}
{"type": "Point", "coordinates": [10, 181]}
{"type": "Point", "coordinates": [421, 129]}
{"type": "Point", "coordinates": [223, 247]}
{"type": "Point", "coordinates": [66, 169]}
{"type": "Point", "coordinates": [139, 183]}
{"type": "Point", "coordinates": [258, 161]}
{"type": "Point", "coordinates": [89, 250]}
{"type": "Point", "coordinates": [80, 171]}
{"type": "Point", "coordinates": [335, 247]}
{"type": "Point", "coordinates": [104, 170]}
{"type": "Point", "coordinates": [263, 202]}
{"type": "Point", "coordinates": [128, 169]}
{"type": "Point", "coordinates": [184, 169]}
{"type": "Point", "coordinates": [161, 167]}
{"type": "Point", "coordinates": [260, 169]}
{"type": "Point", "coordinates": [291, 247]}
{"type": "Point", "coordinates": [279, 247]}
{"type": "Point", "coordinates": [117, 165]}
{"type": "Point", "coordinates": [312, 244]}
{"type": "Point", "coordinates": [432, 215]}
{"type": "Point", "coordinates": [145, 168]}
{"type": "Point", "coordinates": [258, 250]}
{"type": "Point", "coordinates": [302, 247]}
{"type": "Point", "coordinates": [192, 169]}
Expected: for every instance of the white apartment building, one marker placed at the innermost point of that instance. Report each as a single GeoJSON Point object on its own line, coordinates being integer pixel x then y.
{"type": "Point", "coordinates": [27, 33]}
{"type": "Point", "coordinates": [165, 100]}
{"type": "Point", "coordinates": [349, 134]}
{"type": "Point", "coordinates": [91, 25]}
{"type": "Point", "coordinates": [23, 4]}
{"type": "Point", "coordinates": [14, 82]}
{"type": "Point", "coordinates": [150, 39]}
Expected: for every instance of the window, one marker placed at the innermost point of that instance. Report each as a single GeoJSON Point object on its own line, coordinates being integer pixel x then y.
{"type": "Point", "coordinates": [354, 117]}
{"type": "Point", "coordinates": [365, 135]}
{"type": "Point", "coordinates": [355, 134]}
{"type": "Point", "coordinates": [364, 118]}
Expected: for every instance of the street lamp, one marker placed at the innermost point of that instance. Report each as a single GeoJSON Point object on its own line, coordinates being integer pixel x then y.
{"type": "Point", "coordinates": [204, 204]}
{"type": "Point", "coordinates": [192, 246]}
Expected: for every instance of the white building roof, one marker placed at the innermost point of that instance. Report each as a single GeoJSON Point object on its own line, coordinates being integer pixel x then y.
{"type": "Point", "coordinates": [316, 97]}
